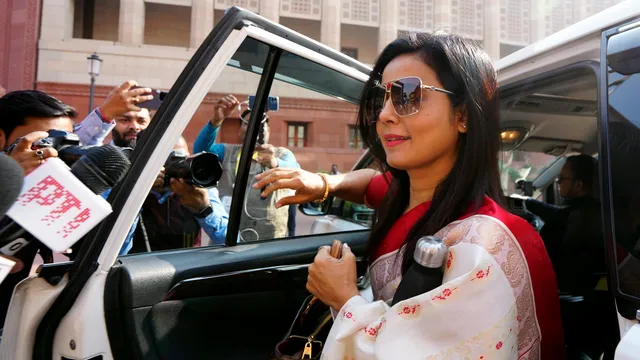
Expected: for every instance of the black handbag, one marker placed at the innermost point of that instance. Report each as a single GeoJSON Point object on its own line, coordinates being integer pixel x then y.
{"type": "Point", "coordinates": [306, 336]}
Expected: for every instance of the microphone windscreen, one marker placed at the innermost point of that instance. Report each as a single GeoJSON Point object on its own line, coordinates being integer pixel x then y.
{"type": "Point", "coordinates": [101, 168]}
{"type": "Point", "coordinates": [12, 177]}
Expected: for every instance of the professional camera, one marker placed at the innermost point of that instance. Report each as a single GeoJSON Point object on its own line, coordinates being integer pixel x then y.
{"type": "Point", "coordinates": [66, 144]}
{"type": "Point", "coordinates": [202, 170]}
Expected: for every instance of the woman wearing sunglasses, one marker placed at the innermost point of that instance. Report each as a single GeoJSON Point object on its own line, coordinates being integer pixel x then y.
{"type": "Point", "coordinates": [430, 115]}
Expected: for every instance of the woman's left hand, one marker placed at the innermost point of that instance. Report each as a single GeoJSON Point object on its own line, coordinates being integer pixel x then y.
{"type": "Point", "coordinates": [333, 281]}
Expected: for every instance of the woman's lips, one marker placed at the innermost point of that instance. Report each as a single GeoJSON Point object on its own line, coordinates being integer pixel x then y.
{"type": "Point", "coordinates": [395, 140]}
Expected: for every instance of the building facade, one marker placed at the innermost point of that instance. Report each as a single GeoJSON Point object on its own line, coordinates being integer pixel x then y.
{"type": "Point", "coordinates": [46, 43]}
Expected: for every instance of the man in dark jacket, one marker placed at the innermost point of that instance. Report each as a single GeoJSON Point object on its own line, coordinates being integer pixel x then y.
{"type": "Point", "coordinates": [573, 233]}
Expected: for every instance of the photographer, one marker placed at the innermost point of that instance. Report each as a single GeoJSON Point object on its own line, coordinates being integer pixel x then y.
{"type": "Point", "coordinates": [122, 99]}
{"type": "Point", "coordinates": [260, 220]}
{"type": "Point", "coordinates": [28, 115]}
{"type": "Point", "coordinates": [171, 218]}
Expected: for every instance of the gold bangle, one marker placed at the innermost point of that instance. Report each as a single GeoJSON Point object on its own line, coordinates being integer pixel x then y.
{"type": "Point", "coordinates": [326, 189]}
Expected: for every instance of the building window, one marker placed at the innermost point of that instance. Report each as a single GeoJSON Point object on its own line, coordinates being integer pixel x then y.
{"type": "Point", "coordinates": [297, 135]}
{"type": "Point", "coordinates": [350, 52]}
{"type": "Point", "coordinates": [355, 141]}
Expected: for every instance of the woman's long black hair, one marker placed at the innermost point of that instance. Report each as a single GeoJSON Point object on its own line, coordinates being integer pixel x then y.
{"type": "Point", "coordinates": [464, 68]}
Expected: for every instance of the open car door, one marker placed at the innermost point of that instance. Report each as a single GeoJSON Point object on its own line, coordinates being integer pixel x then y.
{"type": "Point", "coordinates": [620, 176]}
{"type": "Point", "coordinates": [234, 300]}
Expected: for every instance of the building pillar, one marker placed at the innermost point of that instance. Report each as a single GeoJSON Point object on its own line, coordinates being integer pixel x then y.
{"type": "Point", "coordinates": [442, 15]}
{"type": "Point", "coordinates": [201, 21]}
{"type": "Point", "coordinates": [131, 29]}
{"type": "Point", "coordinates": [537, 21]}
{"type": "Point", "coordinates": [19, 35]}
{"type": "Point", "coordinates": [491, 34]}
{"type": "Point", "coordinates": [388, 30]}
{"type": "Point", "coordinates": [57, 24]}
{"type": "Point", "coordinates": [330, 23]}
{"type": "Point", "coordinates": [270, 9]}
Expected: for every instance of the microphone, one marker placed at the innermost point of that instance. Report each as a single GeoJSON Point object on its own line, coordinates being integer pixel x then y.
{"type": "Point", "coordinates": [12, 178]}
{"type": "Point", "coordinates": [100, 169]}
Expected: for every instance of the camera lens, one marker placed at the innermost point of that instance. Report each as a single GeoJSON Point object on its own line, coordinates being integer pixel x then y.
{"type": "Point", "coordinates": [202, 171]}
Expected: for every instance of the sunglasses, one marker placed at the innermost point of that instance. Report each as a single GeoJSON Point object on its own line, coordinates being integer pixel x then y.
{"type": "Point", "coordinates": [405, 94]}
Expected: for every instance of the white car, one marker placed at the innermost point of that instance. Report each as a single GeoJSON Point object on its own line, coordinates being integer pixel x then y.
{"type": "Point", "coordinates": [565, 94]}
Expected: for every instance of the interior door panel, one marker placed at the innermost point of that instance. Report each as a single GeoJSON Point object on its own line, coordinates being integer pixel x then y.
{"type": "Point", "coordinates": [212, 303]}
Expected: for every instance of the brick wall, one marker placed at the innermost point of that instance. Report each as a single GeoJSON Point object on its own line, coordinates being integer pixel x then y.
{"type": "Point", "coordinates": [168, 25]}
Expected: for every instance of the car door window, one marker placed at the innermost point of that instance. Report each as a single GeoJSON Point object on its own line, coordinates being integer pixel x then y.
{"type": "Point", "coordinates": [314, 100]}
{"type": "Point", "coordinates": [307, 97]}
{"type": "Point", "coordinates": [623, 112]}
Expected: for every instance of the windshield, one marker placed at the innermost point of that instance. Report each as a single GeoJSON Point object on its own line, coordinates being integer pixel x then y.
{"type": "Point", "coordinates": [522, 165]}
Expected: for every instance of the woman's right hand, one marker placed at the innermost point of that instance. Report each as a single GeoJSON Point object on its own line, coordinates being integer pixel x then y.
{"type": "Point", "coordinates": [307, 185]}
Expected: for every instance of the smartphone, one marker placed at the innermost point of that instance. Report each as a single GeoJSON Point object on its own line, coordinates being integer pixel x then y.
{"type": "Point", "coordinates": [273, 103]}
{"type": "Point", "coordinates": [154, 103]}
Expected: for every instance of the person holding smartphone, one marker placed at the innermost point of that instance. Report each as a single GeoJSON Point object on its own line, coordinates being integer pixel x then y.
{"type": "Point", "coordinates": [124, 99]}
{"type": "Point", "coordinates": [260, 219]}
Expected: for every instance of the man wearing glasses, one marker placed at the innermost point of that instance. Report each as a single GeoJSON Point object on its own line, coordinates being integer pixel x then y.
{"type": "Point", "coordinates": [573, 234]}
{"type": "Point", "coordinates": [261, 220]}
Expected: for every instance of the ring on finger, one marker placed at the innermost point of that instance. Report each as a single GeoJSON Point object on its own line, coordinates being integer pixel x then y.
{"type": "Point", "coordinates": [40, 154]}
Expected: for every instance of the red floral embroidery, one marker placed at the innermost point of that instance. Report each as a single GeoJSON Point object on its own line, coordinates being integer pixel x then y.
{"type": "Point", "coordinates": [348, 315]}
{"type": "Point", "coordinates": [409, 310]}
{"type": "Point", "coordinates": [371, 331]}
{"type": "Point", "coordinates": [482, 273]}
{"type": "Point", "coordinates": [450, 259]}
{"type": "Point", "coordinates": [499, 345]}
{"type": "Point", "coordinates": [444, 294]}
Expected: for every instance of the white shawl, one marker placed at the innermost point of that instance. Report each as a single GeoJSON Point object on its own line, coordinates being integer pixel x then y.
{"type": "Point", "coordinates": [483, 310]}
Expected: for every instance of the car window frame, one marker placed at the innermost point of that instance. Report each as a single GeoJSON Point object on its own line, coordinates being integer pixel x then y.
{"type": "Point", "coordinates": [606, 179]}
{"type": "Point", "coordinates": [263, 92]}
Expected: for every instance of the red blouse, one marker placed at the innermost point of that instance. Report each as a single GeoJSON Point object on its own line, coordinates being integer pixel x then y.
{"type": "Point", "coordinates": [543, 277]}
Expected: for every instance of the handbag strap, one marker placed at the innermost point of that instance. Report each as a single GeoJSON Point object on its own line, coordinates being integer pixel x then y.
{"type": "Point", "coordinates": [335, 252]}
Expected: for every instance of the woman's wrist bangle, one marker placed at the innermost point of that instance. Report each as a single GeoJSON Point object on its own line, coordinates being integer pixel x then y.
{"type": "Point", "coordinates": [326, 189]}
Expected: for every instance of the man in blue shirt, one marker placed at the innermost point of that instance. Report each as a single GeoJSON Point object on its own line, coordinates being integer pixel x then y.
{"type": "Point", "coordinates": [260, 218]}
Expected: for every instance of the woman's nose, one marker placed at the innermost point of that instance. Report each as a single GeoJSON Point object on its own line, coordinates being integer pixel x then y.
{"type": "Point", "coordinates": [388, 114]}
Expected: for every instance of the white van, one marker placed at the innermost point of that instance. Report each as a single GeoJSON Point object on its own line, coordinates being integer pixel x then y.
{"type": "Point", "coordinates": [574, 92]}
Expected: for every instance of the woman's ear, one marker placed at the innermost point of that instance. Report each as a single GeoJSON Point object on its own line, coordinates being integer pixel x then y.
{"type": "Point", "coordinates": [461, 118]}
{"type": "Point", "coordinates": [3, 140]}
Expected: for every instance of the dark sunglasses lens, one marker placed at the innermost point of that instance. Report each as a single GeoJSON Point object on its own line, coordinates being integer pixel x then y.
{"type": "Point", "coordinates": [406, 95]}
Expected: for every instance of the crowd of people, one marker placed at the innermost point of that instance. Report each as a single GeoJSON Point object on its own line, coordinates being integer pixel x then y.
{"type": "Point", "coordinates": [175, 214]}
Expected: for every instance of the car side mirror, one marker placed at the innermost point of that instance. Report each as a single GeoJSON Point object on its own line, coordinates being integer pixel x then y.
{"type": "Point", "coordinates": [317, 209]}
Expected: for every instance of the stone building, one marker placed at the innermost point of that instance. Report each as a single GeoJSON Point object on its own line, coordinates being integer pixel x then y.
{"type": "Point", "coordinates": [45, 44]}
